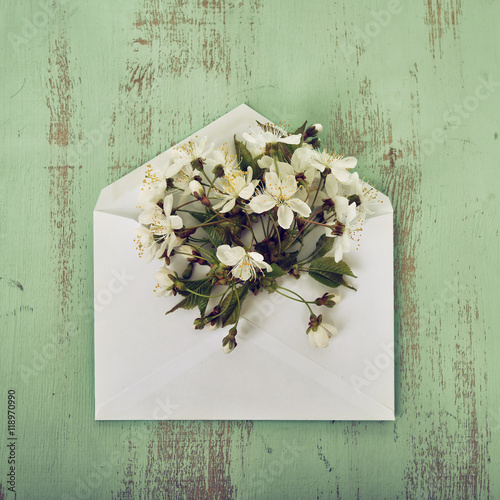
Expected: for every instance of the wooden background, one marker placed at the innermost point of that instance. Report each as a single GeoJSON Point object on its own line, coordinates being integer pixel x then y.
{"type": "Point", "coordinates": [92, 89]}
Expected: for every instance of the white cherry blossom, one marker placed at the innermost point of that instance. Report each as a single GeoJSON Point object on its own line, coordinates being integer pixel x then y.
{"type": "Point", "coordinates": [245, 265]}
{"type": "Point", "coordinates": [279, 192]}
{"type": "Point", "coordinates": [233, 185]}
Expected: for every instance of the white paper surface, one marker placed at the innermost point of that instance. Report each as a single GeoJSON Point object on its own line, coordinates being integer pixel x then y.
{"type": "Point", "coordinates": [149, 366]}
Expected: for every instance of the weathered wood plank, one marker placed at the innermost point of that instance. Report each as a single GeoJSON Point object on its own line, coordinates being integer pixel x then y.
{"type": "Point", "coordinates": [93, 90]}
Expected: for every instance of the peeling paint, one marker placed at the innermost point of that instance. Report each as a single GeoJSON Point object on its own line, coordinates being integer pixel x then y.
{"type": "Point", "coordinates": [62, 222]}
{"type": "Point", "coordinates": [186, 459]}
{"type": "Point", "coordinates": [58, 95]}
{"type": "Point", "coordinates": [441, 17]}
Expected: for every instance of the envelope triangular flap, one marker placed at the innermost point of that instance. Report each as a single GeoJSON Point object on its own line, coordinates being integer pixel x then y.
{"type": "Point", "coordinates": [143, 358]}
{"type": "Point", "coordinates": [120, 197]}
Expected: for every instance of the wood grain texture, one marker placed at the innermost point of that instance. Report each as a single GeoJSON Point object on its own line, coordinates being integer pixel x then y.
{"type": "Point", "coordinates": [91, 90]}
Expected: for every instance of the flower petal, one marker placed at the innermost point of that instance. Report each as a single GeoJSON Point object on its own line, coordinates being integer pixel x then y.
{"type": "Point", "coordinates": [172, 243]}
{"type": "Point", "coordinates": [283, 169]}
{"type": "Point", "coordinates": [273, 184]}
{"type": "Point", "coordinates": [300, 159]}
{"type": "Point", "coordinates": [176, 222]}
{"type": "Point", "coordinates": [228, 206]}
{"type": "Point", "coordinates": [300, 207]}
{"type": "Point", "coordinates": [249, 175]}
{"type": "Point", "coordinates": [291, 139]}
{"type": "Point", "coordinates": [288, 186]}
{"type": "Point", "coordinates": [312, 339]}
{"type": "Point", "coordinates": [262, 203]}
{"type": "Point", "coordinates": [265, 162]}
{"type": "Point", "coordinates": [322, 337]}
{"type": "Point", "coordinates": [247, 192]}
{"type": "Point", "coordinates": [147, 216]}
{"type": "Point", "coordinates": [338, 251]}
{"type": "Point", "coordinates": [331, 186]}
{"type": "Point", "coordinates": [341, 206]}
{"type": "Point", "coordinates": [347, 162]}
{"type": "Point", "coordinates": [285, 216]}
{"type": "Point", "coordinates": [230, 256]}
{"type": "Point", "coordinates": [249, 138]}
{"type": "Point", "coordinates": [243, 271]}
{"type": "Point", "coordinates": [256, 256]}
{"type": "Point", "coordinates": [332, 331]}
{"type": "Point", "coordinates": [225, 199]}
{"type": "Point", "coordinates": [168, 203]}
{"type": "Point", "coordinates": [175, 168]}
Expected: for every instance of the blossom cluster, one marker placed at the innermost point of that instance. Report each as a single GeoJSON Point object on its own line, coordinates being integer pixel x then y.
{"type": "Point", "coordinates": [245, 219]}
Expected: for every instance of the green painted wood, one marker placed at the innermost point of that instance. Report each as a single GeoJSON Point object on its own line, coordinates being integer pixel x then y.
{"type": "Point", "coordinates": [91, 90]}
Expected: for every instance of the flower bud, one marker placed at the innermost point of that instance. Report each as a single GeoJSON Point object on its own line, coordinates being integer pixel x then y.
{"type": "Point", "coordinates": [313, 131]}
{"type": "Point", "coordinates": [229, 341]}
{"type": "Point", "coordinates": [188, 271]}
{"type": "Point", "coordinates": [197, 190]}
{"type": "Point", "coordinates": [199, 323]}
{"type": "Point", "coordinates": [328, 300]}
{"type": "Point", "coordinates": [197, 163]}
{"type": "Point", "coordinates": [315, 143]}
{"type": "Point", "coordinates": [186, 250]}
{"type": "Point", "coordinates": [218, 171]}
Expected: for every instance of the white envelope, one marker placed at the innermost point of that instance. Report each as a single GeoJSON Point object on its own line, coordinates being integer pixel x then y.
{"type": "Point", "coordinates": [149, 366]}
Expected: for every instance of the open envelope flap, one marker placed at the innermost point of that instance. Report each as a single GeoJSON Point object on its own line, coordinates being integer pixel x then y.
{"type": "Point", "coordinates": [120, 197]}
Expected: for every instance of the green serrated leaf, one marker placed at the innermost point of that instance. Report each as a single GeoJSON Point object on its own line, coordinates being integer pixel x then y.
{"type": "Point", "coordinates": [323, 246]}
{"type": "Point", "coordinates": [276, 272]}
{"type": "Point", "coordinates": [217, 235]}
{"type": "Point", "coordinates": [200, 216]}
{"type": "Point", "coordinates": [244, 156]}
{"type": "Point", "coordinates": [246, 160]}
{"type": "Point", "coordinates": [188, 303]}
{"type": "Point", "coordinates": [201, 287]}
{"type": "Point", "coordinates": [331, 280]}
{"type": "Point", "coordinates": [288, 260]}
{"type": "Point", "coordinates": [229, 306]}
{"type": "Point", "coordinates": [301, 130]}
{"type": "Point", "coordinates": [328, 264]}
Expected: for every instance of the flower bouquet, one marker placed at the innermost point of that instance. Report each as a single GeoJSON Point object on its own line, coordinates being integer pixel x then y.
{"type": "Point", "coordinates": [250, 215]}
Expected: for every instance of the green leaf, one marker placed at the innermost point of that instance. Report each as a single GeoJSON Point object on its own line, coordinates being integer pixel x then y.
{"type": "Point", "coordinates": [276, 272]}
{"type": "Point", "coordinates": [301, 130]}
{"type": "Point", "coordinates": [323, 246]}
{"type": "Point", "coordinates": [201, 216]}
{"type": "Point", "coordinates": [218, 236]}
{"type": "Point", "coordinates": [331, 280]}
{"type": "Point", "coordinates": [187, 303]}
{"type": "Point", "coordinates": [244, 156]}
{"type": "Point", "coordinates": [230, 306]}
{"type": "Point", "coordinates": [245, 159]}
{"type": "Point", "coordinates": [330, 273]}
{"type": "Point", "coordinates": [328, 264]}
{"type": "Point", "coordinates": [288, 260]}
{"type": "Point", "coordinates": [203, 287]}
